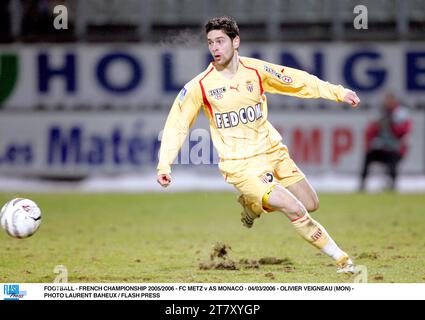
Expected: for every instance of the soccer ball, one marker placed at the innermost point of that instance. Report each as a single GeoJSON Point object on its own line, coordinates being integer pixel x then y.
{"type": "Point", "coordinates": [20, 217]}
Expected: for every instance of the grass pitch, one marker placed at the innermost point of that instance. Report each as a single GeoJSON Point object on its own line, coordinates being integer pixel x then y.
{"type": "Point", "coordinates": [150, 238]}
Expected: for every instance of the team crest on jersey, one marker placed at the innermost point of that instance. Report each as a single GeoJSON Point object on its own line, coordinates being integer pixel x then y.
{"type": "Point", "coordinates": [217, 93]}
{"type": "Point", "coordinates": [249, 86]}
{"type": "Point", "coordinates": [278, 75]}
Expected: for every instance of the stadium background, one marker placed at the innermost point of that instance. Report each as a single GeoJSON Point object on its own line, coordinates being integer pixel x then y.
{"type": "Point", "coordinates": [82, 108]}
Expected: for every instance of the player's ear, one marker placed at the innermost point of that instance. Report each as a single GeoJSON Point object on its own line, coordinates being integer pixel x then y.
{"type": "Point", "coordinates": [236, 42]}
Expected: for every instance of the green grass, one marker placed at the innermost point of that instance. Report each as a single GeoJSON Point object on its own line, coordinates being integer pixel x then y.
{"type": "Point", "coordinates": [149, 238]}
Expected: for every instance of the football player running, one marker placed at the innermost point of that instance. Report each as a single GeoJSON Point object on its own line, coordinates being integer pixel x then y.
{"type": "Point", "coordinates": [231, 91]}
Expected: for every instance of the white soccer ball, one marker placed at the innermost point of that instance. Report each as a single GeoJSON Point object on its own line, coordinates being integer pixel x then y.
{"type": "Point", "coordinates": [20, 217]}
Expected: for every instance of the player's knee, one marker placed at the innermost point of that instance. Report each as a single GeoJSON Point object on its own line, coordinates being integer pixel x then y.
{"type": "Point", "coordinates": [286, 203]}
{"type": "Point", "coordinates": [313, 204]}
{"type": "Point", "coordinates": [294, 208]}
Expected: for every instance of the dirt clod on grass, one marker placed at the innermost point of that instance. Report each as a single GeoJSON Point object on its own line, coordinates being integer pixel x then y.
{"type": "Point", "coordinates": [378, 277]}
{"type": "Point", "coordinates": [221, 260]}
{"type": "Point", "coordinates": [249, 264]}
{"type": "Point", "coordinates": [288, 269]}
{"type": "Point", "coordinates": [368, 255]}
{"type": "Point", "coordinates": [270, 275]}
{"type": "Point", "coordinates": [273, 260]}
{"type": "Point", "coordinates": [220, 265]}
{"type": "Point", "coordinates": [397, 257]}
{"type": "Point", "coordinates": [219, 250]}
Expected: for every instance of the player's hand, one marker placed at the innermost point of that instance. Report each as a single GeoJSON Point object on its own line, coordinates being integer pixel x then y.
{"type": "Point", "coordinates": [352, 98]}
{"type": "Point", "coordinates": [163, 179]}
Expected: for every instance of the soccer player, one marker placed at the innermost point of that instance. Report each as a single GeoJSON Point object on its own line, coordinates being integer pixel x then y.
{"type": "Point", "coordinates": [231, 92]}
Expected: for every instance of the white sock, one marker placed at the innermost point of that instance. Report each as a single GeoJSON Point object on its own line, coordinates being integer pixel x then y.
{"type": "Point", "coordinates": [332, 250]}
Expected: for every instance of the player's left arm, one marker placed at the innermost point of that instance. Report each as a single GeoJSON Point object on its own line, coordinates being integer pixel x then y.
{"type": "Point", "coordinates": [182, 115]}
{"type": "Point", "coordinates": [298, 83]}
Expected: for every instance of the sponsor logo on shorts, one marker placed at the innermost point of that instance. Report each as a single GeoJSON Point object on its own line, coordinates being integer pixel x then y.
{"type": "Point", "coordinates": [269, 177]}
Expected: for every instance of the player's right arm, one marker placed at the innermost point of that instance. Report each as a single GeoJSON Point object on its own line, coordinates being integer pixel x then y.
{"type": "Point", "coordinates": [163, 179]}
{"type": "Point", "coordinates": [298, 83]}
{"type": "Point", "coordinates": [183, 113]}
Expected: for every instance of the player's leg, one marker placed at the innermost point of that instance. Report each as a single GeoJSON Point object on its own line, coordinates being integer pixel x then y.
{"type": "Point", "coordinates": [293, 179]}
{"type": "Point", "coordinates": [252, 188]}
{"type": "Point", "coordinates": [293, 205]}
{"type": "Point", "coordinates": [260, 193]}
{"type": "Point", "coordinates": [249, 178]}
{"type": "Point", "coordinates": [309, 229]}
{"type": "Point", "coordinates": [304, 192]}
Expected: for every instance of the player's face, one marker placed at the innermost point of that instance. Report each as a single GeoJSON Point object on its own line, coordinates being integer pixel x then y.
{"type": "Point", "coordinates": [222, 48]}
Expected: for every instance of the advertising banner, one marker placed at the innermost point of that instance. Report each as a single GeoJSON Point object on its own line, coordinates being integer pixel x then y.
{"type": "Point", "coordinates": [122, 76]}
{"type": "Point", "coordinates": [84, 143]}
